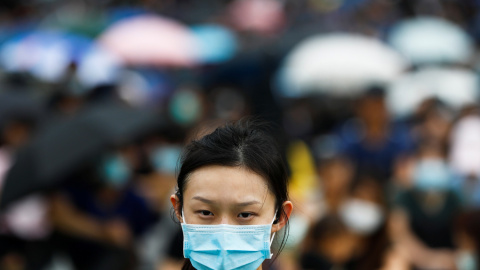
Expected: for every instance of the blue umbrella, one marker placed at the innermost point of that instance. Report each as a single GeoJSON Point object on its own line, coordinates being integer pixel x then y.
{"type": "Point", "coordinates": [44, 53]}
{"type": "Point", "coordinates": [216, 43]}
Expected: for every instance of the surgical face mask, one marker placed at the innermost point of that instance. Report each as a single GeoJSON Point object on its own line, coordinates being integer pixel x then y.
{"type": "Point", "coordinates": [115, 171]}
{"type": "Point", "coordinates": [360, 216]}
{"type": "Point", "coordinates": [431, 175]}
{"type": "Point", "coordinates": [166, 158]}
{"type": "Point", "coordinates": [466, 260]}
{"type": "Point", "coordinates": [185, 107]}
{"type": "Point", "coordinates": [224, 246]}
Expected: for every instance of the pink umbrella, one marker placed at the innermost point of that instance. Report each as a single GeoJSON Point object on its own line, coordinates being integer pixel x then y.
{"type": "Point", "coordinates": [151, 40]}
{"type": "Point", "coordinates": [259, 16]}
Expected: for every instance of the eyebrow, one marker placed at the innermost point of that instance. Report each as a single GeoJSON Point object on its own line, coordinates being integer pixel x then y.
{"type": "Point", "coordinates": [207, 201]}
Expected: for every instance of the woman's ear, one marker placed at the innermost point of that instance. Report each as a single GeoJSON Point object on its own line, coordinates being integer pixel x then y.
{"type": "Point", "coordinates": [176, 206]}
{"type": "Point", "coordinates": [283, 216]}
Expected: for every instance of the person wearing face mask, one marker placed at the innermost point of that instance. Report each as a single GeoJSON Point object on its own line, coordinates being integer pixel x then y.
{"type": "Point", "coordinates": [355, 236]}
{"type": "Point", "coordinates": [422, 222]}
{"type": "Point", "coordinates": [98, 220]}
{"type": "Point", "coordinates": [231, 197]}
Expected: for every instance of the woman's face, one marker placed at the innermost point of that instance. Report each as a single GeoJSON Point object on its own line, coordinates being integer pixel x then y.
{"type": "Point", "coordinates": [226, 195]}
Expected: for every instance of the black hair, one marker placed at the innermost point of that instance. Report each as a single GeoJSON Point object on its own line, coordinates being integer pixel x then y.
{"type": "Point", "coordinates": [246, 143]}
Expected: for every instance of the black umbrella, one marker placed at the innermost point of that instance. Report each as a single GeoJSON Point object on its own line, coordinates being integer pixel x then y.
{"type": "Point", "coordinates": [20, 105]}
{"type": "Point", "coordinates": [60, 148]}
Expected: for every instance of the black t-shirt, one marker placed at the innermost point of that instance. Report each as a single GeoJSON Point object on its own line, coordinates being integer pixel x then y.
{"type": "Point", "coordinates": [315, 261]}
{"type": "Point", "coordinates": [434, 229]}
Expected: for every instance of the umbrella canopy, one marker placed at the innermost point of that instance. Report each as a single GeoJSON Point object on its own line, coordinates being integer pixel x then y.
{"type": "Point", "coordinates": [15, 104]}
{"type": "Point", "coordinates": [454, 86]}
{"type": "Point", "coordinates": [258, 16]}
{"type": "Point", "coordinates": [61, 147]}
{"type": "Point", "coordinates": [216, 43]}
{"type": "Point", "coordinates": [98, 67]}
{"type": "Point", "coordinates": [338, 64]}
{"type": "Point", "coordinates": [429, 40]}
{"type": "Point", "coordinates": [148, 40]}
{"type": "Point", "coordinates": [45, 54]}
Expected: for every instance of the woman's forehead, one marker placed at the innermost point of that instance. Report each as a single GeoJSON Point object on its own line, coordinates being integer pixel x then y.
{"type": "Point", "coordinates": [227, 185]}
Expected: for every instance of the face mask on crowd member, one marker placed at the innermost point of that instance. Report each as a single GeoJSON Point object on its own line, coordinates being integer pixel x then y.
{"type": "Point", "coordinates": [185, 107]}
{"type": "Point", "coordinates": [165, 158]}
{"type": "Point", "coordinates": [115, 170]}
{"type": "Point", "coordinates": [361, 216]}
{"type": "Point", "coordinates": [432, 174]}
{"type": "Point", "coordinates": [466, 260]}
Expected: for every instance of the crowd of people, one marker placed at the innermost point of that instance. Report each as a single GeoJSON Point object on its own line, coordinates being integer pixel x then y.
{"type": "Point", "coordinates": [372, 188]}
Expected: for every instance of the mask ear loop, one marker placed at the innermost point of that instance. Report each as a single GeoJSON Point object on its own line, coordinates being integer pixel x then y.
{"type": "Point", "coordinates": [273, 235]}
{"type": "Point", "coordinates": [183, 218]}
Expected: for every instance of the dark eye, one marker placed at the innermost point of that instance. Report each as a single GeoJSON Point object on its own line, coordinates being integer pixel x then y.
{"type": "Point", "coordinates": [206, 213]}
{"type": "Point", "coordinates": [245, 215]}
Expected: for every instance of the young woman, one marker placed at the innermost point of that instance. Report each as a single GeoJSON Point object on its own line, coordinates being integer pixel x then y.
{"type": "Point", "coordinates": [231, 197]}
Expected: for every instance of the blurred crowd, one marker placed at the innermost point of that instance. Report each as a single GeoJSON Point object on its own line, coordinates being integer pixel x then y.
{"type": "Point", "coordinates": [376, 103]}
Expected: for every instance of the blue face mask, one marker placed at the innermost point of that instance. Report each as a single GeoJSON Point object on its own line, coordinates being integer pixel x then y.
{"type": "Point", "coordinates": [466, 260]}
{"type": "Point", "coordinates": [432, 174]}
{"type": "Point", "coordinates": [225, 247]}
{"type": "Point", "coordinates": [166, 158]}
{"type": "Point", "coordinates": [115, 171]}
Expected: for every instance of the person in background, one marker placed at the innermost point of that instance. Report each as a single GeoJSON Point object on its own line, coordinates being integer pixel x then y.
{"type": "Point", "coordinates": [355, 236]}
{"type": "Point", "coordinates": [336, 176]}
{"type": "Point", "coordinates": [162, 150]}
{"type": "Point", "coordinates": [25, 227]}
{"type": "Point", "coordinates": [422, 219]}
{"type": "Point", "coordinates": [100, 214]}
{"type": "Point", "coordinates": [160, 156]}
{"type": "Point", "coordinates": [430, 126]}
{"type": "Point", "coordinates": [371, 140]}
{"type": "Point", "coordinates": [432, 123]}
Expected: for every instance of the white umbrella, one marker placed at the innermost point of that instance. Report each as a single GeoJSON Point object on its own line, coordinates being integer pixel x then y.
{"type": "Point", "coordinates": [428, 40]}
{"type": "Point", "coordinates": [338, 64]}
{"type": "Point", "coordinates": [98, 66]}
{"type": "Point", "coordinates": [465, 146]}
{"type": "Point", "coordinates": [454, 86]}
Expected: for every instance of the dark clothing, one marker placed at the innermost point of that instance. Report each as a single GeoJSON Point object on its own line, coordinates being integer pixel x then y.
{"type": "Point", "coordinates": [37, 254]}
{"type": "Point", "coordinates": [434, 229]}
{"type": "Point", "coordinates": [314, 261]}
{"type": "Point", "coordinates": [378, 158]}
{"type": "Point", "coordinates": [130, 208]}
{"type": "Point", "coordinates": [87, 254]}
